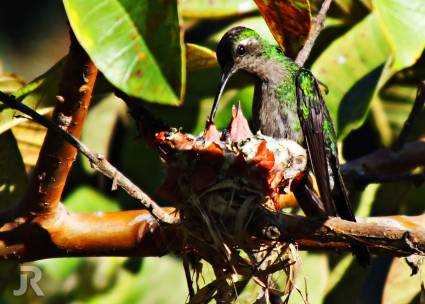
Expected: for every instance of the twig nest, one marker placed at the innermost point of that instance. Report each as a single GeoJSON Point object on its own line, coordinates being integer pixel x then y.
{"type": "Point", "coordinates": [266, 165]}
{"type": "Point", "coordinates": [219, 181]}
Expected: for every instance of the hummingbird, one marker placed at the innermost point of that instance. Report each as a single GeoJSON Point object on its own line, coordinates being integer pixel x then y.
{"type": "Point", "coordinates": [288, 103]}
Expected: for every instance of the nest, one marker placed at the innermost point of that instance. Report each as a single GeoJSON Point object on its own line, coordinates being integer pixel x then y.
{"type": "Point", "coordinates": [221, 182]}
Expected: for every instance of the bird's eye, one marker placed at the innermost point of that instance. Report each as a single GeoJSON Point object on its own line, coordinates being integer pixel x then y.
{"type": "Point", "coordinates": [241, 50]}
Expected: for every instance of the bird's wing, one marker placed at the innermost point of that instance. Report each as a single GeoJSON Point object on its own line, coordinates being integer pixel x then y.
{"type": "Point", "coordinates": [319, 134]}
{"type": "Point", "coordinates": [311, 113]}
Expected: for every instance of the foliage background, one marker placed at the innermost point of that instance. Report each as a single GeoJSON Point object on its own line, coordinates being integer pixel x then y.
{"type": "Point", "coordinates": [370, 55]}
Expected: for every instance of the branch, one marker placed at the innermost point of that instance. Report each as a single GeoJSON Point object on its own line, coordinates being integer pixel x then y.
{"type": "Point", "coordinates": [318, 25]}
{"type": "Point", "coordinates": [57, 156]}
{"type": "Point", "coordinates": [71, 234]}
{"type": "Point", "coordinates": [387, 162]}
{"type": "Point", "coordinates": [136, 233]}
{"type": "Point", "coordinates": [394, 235]}
{"type": "Point", "coordinates": [361, 180]}
{"type": "Point", "coordinates": [97, 161]}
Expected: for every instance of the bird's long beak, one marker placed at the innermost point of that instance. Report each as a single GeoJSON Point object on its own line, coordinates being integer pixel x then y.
{"type": "Point", "coordinates": [225, 76]}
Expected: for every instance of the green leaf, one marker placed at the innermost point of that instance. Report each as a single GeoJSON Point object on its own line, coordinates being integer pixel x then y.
{"type": "Point", "coordinates": [403, 23]}
{"type": "Point", "coordinates": [215, 8]}
{"type": "Point", "coordinates": [61, 268]}
{"type": "Point", "coordinates": [161, 280]}
{"type": "Point", "coordinates": [347, 60]}
{"type": "Point", "coordinates": [312, 278]}
{"type": "Point", "coordinates": [13, 178]}
{"type": "Point", "coordinates": [87, 199]}
{"type": "Point", "coordinates": [39, 94]}
{"type": "Point", "coordinates": [289, 22]}
{"type": "Point", "coordinates": [136, 44]}
{"type": "Point", "coordinates": [355, 104]}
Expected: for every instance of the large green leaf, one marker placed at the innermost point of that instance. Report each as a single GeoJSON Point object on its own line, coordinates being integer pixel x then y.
{"type": "Point", "coordinates": [347, 60]}
{"type": "Point", "coordinates": [215, 8]}
{"type": "Point", "coordinates": [403, 23]}
{"type": "Point", "coordinates": [355, 104]}
{"type": "Point", "coordinates": [136, 44]}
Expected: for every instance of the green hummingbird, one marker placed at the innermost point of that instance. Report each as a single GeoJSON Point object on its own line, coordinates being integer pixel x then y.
{"type": "Point", "coordinates": [288, 104]}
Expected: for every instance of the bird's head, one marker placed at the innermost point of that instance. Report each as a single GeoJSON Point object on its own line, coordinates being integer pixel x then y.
{"type": "Point", "coordinates": [240, 48]}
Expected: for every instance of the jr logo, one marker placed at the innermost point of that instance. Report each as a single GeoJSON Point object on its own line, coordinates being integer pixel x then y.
{"type": "Point", "coordinates": [26, 278]}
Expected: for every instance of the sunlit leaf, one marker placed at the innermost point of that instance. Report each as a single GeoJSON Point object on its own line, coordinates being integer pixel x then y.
{"type": "Point", "coordinates": [39, 94]}
{"type": "Point", "coordinates": [403, 23]}
{"type": "Point", "coordinates": [400, 287]}
{"type": "Point", "coordinates": [312, 278]}
{"type": "Point", "coordinates": [122, 38]}
{"type": "Point", "coordinates": [256, 23]}
{"type": "Point", "coordinates": [161, 280]}
{"type": "Point", "coordinates": [9, 83]}
{"type": "Point", "coordinates": [347, 60]}
{"type": "Point", "coordinates": [215, 8]}
{"type": "Point", "coordinates": [289, 22]}
{"type": "Point", "coordinates": [199, 57]}
{"type": "Point", "coordinates": [29, 136]}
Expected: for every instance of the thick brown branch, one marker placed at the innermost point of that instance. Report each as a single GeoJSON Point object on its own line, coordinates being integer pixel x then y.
{"type": "Point", "coordinates": [97, 161]}
{"type": "Point", "coordinates": [70, 234]}
{"type": "Point", "coordinates": [319, 23]}
{"type": "Point", "coordinates": [397, 235]}
{"type": "Point", "coordinates": [136, 233]}
{"type": "Point", "coordinates": [56, 155]}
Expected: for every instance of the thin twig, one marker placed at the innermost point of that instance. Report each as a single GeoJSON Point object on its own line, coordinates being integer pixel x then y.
{"type": "Point", "coordinates": [413, 116]}
{"type": "Point", "coordinates": [97, 161]}
{"type": "Point", "coordinates": [318, 25]}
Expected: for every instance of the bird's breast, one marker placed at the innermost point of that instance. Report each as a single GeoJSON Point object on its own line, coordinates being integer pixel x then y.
{"type": "Point", "coordinates": [273, 116]}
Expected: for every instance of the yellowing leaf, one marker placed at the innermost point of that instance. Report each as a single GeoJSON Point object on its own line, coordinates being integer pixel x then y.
{"type": "Point", "coordinates": [289, 21]}
{"type": "Point", "coordinates": [400, 287]}
{"type": "Point", "coordinates": [199, 57]}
